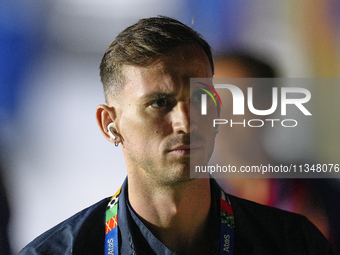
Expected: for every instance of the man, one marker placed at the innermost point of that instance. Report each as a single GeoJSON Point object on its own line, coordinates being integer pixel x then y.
{"type": "Point", "coordinates": [161, 210]}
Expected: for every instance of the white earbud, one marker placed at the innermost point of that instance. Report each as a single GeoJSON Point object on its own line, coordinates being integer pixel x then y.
{"type": "Point", "coordinates": [110, 130]}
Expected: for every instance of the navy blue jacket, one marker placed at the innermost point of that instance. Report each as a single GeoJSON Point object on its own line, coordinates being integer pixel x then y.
{"type": "Point", "coordinates": [258, 230]}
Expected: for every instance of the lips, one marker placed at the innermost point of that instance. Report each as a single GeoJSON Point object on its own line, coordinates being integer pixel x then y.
{"type": "Point", "coordinates": [184, 149]}
{"type": "Point", "coordinates": [184, 145]}
{"type": "Point", "coordinates": [181, 147]}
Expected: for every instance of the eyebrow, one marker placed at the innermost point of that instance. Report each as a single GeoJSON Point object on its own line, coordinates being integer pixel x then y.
{"type": "Point", "coordinates": [156, 95]}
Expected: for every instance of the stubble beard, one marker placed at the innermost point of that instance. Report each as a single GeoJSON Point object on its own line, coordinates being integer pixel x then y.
{"type": "Point", "coordinates": [163, 172]}
{"type": "Point", "coordinates": [168, 171]}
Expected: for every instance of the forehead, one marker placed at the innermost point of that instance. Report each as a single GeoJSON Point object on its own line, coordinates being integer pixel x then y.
{"type": "Point", "coordinates": [171, 72]}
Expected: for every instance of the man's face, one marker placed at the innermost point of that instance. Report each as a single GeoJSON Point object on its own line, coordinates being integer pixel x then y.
{"type": "Point", "coordinates": [153, 117]}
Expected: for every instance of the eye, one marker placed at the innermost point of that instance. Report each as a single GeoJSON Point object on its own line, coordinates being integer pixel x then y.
{"type": "Point", "coordinates": [160, 103]}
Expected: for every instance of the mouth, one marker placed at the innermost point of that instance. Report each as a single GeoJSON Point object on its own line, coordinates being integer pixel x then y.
{"type": "Point", "coordinates": [185, 149]}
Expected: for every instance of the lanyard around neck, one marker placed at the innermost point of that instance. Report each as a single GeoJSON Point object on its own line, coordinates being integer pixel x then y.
{"type": "Point", "coordinates": [111, 227]}
{"type": "Point", "coordinates": [226, 226]}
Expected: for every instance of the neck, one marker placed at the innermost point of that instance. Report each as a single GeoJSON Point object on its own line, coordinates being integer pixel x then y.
{"type": "Point", "coordinates": [176, 214]}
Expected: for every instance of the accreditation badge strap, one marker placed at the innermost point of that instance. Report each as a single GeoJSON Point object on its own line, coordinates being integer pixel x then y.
{"type": "Point", "coordinates": [226, 225]}
{"type": "Point", "coordinates": [111, 227]}
{"type": "Point", "coordinates": [226, 218]}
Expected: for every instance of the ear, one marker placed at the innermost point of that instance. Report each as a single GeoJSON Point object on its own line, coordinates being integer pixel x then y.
{"type": "Point", "coordinates": [105, 115]}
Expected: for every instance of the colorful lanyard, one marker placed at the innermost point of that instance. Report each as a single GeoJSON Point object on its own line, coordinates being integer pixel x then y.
{"type": "Point", "coordinates": [226, 226]}
{"type": "Point", "coordinates": [111, 227]}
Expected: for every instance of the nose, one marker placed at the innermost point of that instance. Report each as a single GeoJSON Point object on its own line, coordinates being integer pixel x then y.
{"type": "Point", "coordinates": [181, 121]}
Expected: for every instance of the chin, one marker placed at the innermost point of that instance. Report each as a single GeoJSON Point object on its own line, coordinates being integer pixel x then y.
{"type": "Point", "coordinates": [179, 175]}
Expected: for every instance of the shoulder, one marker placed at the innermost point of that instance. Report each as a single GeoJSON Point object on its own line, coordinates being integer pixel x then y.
{"type": "Point", "coordinates": [71, 235]}
{"type": "Point", "coordinates": [267, 230]}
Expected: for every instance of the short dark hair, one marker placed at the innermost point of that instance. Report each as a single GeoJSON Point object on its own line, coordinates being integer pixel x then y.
{"type": "Point", "coordinates": [143, 43]}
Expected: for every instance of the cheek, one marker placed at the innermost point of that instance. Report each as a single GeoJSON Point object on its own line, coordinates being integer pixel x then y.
{"type": "Point", "coordinates": [143, 131]}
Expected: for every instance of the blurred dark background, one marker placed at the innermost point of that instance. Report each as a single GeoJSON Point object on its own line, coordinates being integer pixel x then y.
{"type": "Point", "coordinates": [54, 158]}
